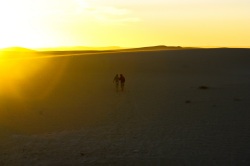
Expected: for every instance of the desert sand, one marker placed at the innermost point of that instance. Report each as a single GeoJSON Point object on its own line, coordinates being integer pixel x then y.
{"type": "Point", "coordinates": [179, 107]}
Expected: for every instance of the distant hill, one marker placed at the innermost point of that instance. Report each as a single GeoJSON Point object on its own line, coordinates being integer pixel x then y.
{"type": "Point", "coordinates": [84, 49]}
{"type": "Point", "coordinates": [16, 52]}
{"type": "Point", "coordinates": [16, 49]}
{"type": "Point", "coordinates": [93, 50]}
{"type": "Point", "coordinates": [159, 47]}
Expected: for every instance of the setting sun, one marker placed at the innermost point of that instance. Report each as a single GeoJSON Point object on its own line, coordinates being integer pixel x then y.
{"type": "Point", "coordinates": [25, 23]}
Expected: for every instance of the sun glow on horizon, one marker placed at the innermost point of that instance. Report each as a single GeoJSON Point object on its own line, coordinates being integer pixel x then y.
{"type": "Point", "coordinates": [16, 70]}
{"type": "Point", "coordinates": [46, 23]}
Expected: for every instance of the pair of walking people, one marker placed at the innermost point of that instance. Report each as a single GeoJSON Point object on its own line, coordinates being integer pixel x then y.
{"type": "Point", "coordinates": [119, 79]}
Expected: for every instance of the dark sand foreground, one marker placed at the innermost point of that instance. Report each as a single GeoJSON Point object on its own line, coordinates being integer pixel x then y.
{"type": "Point", "coordinates": [180, 107]}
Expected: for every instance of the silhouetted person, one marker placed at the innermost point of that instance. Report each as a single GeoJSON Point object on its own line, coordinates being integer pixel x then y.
{"type": "Point", "coordinates": [116, 81]}
{"type": "Point", "coordinates": [122, 80]}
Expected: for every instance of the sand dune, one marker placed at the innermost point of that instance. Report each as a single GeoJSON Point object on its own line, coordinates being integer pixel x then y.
{"type": "Point", "coordinates": [180, 107]}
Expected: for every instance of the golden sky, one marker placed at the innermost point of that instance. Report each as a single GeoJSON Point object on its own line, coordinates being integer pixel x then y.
{"type": "Point", "coordinates": [50, 23]}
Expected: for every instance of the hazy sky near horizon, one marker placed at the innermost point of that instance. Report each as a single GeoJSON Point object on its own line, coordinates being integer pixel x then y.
{"type": "Point", "coordinates": [49, 23]}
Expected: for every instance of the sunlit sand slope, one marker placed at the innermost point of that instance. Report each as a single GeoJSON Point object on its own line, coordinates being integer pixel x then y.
{"type": "Point", "coordinates": [180, 107]}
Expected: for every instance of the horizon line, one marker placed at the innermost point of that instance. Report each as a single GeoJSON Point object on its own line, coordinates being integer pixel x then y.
{"type": "Point", "coordinates": [118, 47]}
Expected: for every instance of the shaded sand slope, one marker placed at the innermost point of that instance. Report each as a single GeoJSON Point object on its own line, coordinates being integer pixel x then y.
{"type": "Point", "coordinates": [180, 107]}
